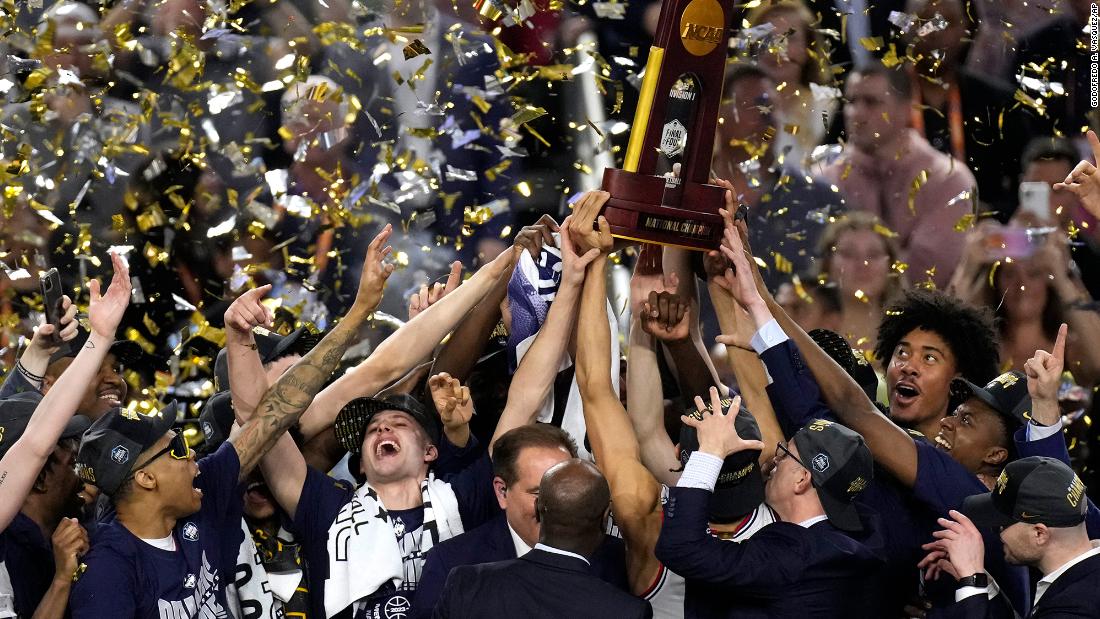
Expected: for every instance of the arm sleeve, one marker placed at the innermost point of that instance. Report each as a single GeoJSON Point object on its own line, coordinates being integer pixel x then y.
{"type": "Point", "coordinates": [473, 488]}
{"type": "Point", "coordinates": [979, 607]}
{"type": "Point", "coordinates": [685, 548]}
{"type": "Point", "coordinates": [453, 460]}
{"type": "Point", "coordinates": [942, 483]}
{"type": "Point", "coordinates": [15, 383]}
{"type": "Point", "coordinates": [793, 391]}
{"type": "Point", "coordinates": [219, 480]}
{"type": "Point", "coordinates": [701, 472]}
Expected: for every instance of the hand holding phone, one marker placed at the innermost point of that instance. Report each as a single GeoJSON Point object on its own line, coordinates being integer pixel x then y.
{"type": "Point", "coordinates": [51, 300]}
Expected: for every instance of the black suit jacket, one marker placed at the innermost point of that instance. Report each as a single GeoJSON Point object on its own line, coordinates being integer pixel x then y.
{"type": "Point", "coordinates": [783, 570]}
{"type": "Point", "coordinates": [1074, 595]}
{"type": "Point", "coordinates": [492, 542]}
{"type": "Point", "coordinates": [538, 584]}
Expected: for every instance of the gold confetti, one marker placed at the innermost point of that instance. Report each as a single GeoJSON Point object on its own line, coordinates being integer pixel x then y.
{"type": "Point", "coordinates": [871, 44]}
{"type": "Point", "coordinates": [414, 49]}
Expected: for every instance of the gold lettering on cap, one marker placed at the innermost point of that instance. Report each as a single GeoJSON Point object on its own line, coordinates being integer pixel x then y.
{"type": "Point", "coordinates": [85, 473]}
{"type": "Point", "coordinates": [736, 475]}
{"type": "Point", "coordinates": [1007, 379]}
{"type": "Point", "coordinates": [819, 425]}
{"type": "Point", "coordinates": [1075, 492]}
{"type": "Point", "coordinates": [857, 485]}
{"type": "Point", "coordinates": [702, 26]}
{"type": "Point", "coordinates": [1002, 482]}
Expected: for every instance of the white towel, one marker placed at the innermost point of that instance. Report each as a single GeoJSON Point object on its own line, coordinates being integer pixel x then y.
{"type": "Point", "coordinates": [258, 586]}
{"type": "Point", "coordinates": [363, 553]}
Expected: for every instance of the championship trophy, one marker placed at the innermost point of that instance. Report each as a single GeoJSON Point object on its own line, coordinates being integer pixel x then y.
{"type": "Point", "coordinates": [675, 123]}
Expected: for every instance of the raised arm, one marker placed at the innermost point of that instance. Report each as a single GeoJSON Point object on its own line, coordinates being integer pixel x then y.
{"type": "Point", "coordinates": [21, 465]}
{"type": "Point", "coordinates": [283, 403]}
{"type": "Point", "coordinates": [459, 355]}
{"type": "Point", "coordinates": [30, 369]}
{"type": "Point", "coordinates": [695, 372]}
{"type": "Point", "coordinates": [411, 345]}
{"type": "Point", "coordinates": [645, 405]}
{"type": "Point", "coordinates": [891, 446]}
{"type": "Point", "coordinates": [539, 367]}
{"type": "Point", "coordinates": [247, 378]}
{"type": "Point", "coordinates": [635, 493]}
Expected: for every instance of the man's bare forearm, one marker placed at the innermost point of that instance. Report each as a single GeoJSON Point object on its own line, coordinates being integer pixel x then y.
{"type": "Point", "coordinates": [460, 354]}
{"type": "Point", "coordinates": [285, 401]}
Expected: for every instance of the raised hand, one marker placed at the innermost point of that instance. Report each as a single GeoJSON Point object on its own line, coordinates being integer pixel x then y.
{"type": "Point", "coordinates": [105, 311]}
{"type": "Point", "coordinates": [1083, 181]}
{"type": "Point", "coordinates": [46, 339]}
{"type": "Point", "coordinates": [70, 542]}
{"type": "Point", "coordinates": [958, 549]}
{"type": "Point", "coordinates": [666, 315]}
{"type": "Point", "coordinates": [452, 400]}
{"type": "Point", "coordinates": [1044, 377]}
{"type": "Point", "coordinates": [247, 312]}
{"type": "Point", "coordinates": [739, 279]}
{"type": "Point", "coordinates": [533, 237]}
{"type": "Point", "coordinates": [428, 295]}
{"type": "Point", "coordinates": [573, 265]}
{"type": "Point", "coordinates": [588, 228]}
{"type": "Point", "coordinates": [375, 273]}
{"type": "Point", "coordinates": [717, 431]}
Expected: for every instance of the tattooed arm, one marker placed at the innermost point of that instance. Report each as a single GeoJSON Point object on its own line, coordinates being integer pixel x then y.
{"type": "Point", "coordinates": [21, 465]}
{"type": "Point", "coordinates": [284, 402]}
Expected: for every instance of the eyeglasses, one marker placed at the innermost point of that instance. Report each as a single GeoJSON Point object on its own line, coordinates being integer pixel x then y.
{"type": "Point", "coordinates": [782, 452]}
{"type": "Point", "coordinates": [177, 448]}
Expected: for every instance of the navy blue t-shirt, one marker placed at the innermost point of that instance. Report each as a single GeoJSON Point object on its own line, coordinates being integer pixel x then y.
{"type": "Point", "coordinates": [942, 484]}
{"type": "Point", "coordinates": [128, 578]}
{"type": "Point", "coordinates": [323, 497]}
{"type": "Point", "coordinates": [28, 556]}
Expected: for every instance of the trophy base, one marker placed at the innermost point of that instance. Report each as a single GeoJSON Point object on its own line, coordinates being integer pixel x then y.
{"type": "Point", "coordinates": [636, 211]}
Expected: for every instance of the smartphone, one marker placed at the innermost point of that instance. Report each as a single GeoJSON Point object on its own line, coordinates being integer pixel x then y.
{"type": "Point", "coordinates": [51, 301]}
{"type": "Point", "coordinates": [1009, 242]}
{"type": "Point", "coordinates": [1035, 199]}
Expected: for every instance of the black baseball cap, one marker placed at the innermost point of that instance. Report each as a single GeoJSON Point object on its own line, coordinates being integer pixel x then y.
{"type": "Point", "coordinates": [351, 422]}
{"type": "Point", "coordinates": [16, 412]}
{"type": "Point", "coordinates": [853, 361]}
{"type": "Point", "coordinates": [271, 347]}
{"type": "Point", "coordinates": [113, 442]}
{"type": "Point", "coordinates": [740, 485]}
{"type": "Point", "coordinates": [1006, 395]}
{"type": "Point", "coordinates": [840, 466]}
{"type": "Point", "coordinates": [1034, 490]}
{"type": "Point", "coordinates": [216, 420]}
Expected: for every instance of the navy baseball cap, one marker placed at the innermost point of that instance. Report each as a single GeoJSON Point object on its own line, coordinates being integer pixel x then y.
{"type": "Point", "coordinates": [216, 420]}
{"type": "Point", "coordinates": [113, 442]}
{"type": "Point", "coordinates": [740, 485]}
{"type": "Point", "coordinates": [271, 347]}
{"type": "Point", "coordinates": [1033, 490]}
{"type": "Point", "coordinates": [1006, 395]}
{"type": "Point", "coordinates": [351, 422]}
{"type": "Point", "coordinates": [16, 412]}
{"type": "Point", "coordinates": [840, 466]}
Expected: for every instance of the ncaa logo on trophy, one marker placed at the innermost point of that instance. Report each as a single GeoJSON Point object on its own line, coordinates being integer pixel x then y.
{"type": "Point", "coordinates": [675, 123]}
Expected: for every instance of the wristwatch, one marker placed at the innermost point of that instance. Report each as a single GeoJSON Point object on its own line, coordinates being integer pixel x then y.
{"type": "Point", "coordinates": [980, 580]}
